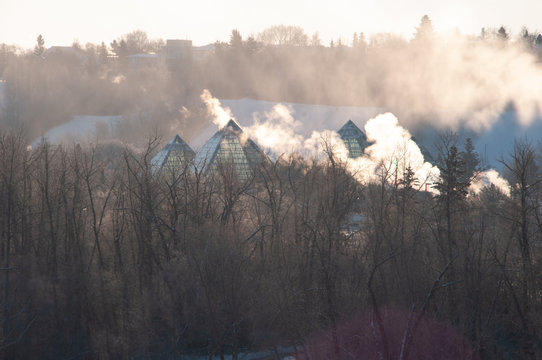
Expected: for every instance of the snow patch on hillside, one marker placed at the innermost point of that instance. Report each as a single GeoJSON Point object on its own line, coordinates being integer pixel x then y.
{"type": "Point", "coordinates": [82, 128]}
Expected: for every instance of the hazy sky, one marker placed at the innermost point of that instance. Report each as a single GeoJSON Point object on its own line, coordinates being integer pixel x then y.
{"type": "Point", "coordinates": [205, 21]}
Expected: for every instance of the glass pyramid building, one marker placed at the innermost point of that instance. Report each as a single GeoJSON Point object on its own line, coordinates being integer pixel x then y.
{"type": "Point", "coordinates": [174, 156]}
{"type": "Point", "coordinates": [229, 149]}
{"type": "Point", "coordinates": [353, 138]}
{"type": "Point", "coordinates": [426, 154]}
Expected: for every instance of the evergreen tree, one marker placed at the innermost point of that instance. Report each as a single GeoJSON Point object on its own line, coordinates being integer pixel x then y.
{"type": "Point", "coordinates": [453, 189]}
{"type": "Point", "coordinates": [119, 48]}
{"type": "Point", "coordinates": [425, 31]}
{"type": "Point", "coordinates": [483, 34]}
{"type": "Point", "coordinates": [39, 49]}
{"type": "Point", "coordinates": [102, 53]}
{"type": "Point", "coordinates": [236, 40]}
{"type": "Point", "coordinates": [452, 185]}
{"type": "Point", "coordinates": [315, 40]}
{"type": "Point", "coordinates": [471, 160]}
{"type": "Point", "coordinates": [527, 37]}
{"type": "Point", "coordinates": [502, 34]}
{"type": "Point", "coordinates": [409, 180]}
{"type": "Point", "coordinates": [361, 39]}
{"type": "Point", "coordinates": [251, 45]}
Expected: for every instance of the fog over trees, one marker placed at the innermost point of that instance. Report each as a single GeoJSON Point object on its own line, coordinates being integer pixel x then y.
{"type": "Point", "coordinates": [447, 80]}
{"type": "Point", "coordinates": [103, 257]}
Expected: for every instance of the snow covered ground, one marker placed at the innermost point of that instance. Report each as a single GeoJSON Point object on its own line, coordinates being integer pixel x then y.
{"type": "Point", "coordinates": [83, 128]}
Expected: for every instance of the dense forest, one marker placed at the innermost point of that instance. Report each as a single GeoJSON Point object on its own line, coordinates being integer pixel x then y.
{"type": "Point", "coordinates": [102, 257]}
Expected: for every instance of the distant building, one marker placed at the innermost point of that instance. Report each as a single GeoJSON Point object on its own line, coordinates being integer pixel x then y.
{"type": "Point", "coordinates": [177, 51]}
{"type": "Point", "coordinates": [181, 51]}
{"type": "Point", "coordinates": [200, 53]}
{"type": "Point", "coordinates": [230, 150]}
{"type": "Point", "coordinates": [175, 54]}
{"type": "Point", "coordinates": [427, 157]}
{"type": "Point", "coordinates": [143, 60]}
{"type": "Point", "coordinates": [174, 156]}
{"type": "Point", "coordinates": [354, 139]}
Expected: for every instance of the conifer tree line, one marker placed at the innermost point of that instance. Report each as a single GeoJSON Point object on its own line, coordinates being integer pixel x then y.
{"type": "Point", "coordinates": [104, 258]}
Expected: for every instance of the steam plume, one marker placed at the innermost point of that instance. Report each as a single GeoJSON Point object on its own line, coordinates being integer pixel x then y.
{"type": "Point", "coordinates": [460, 81]}
{"type": "Point", "coordinates": [221, 115]}
{"type": "Point", "coordinates": [392, 148]}
{"type": "Point", "coordinates": [276, 132]}
{"type": "Point", "coordinates": [490, 177]}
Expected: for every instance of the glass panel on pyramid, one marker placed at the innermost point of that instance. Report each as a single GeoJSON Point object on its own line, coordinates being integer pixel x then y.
{"type": "Point", "coordinates": [353, 138]}
{"type": "Point", "coordinates": [230, 149]}
{"type": "Point", "coordinates": [174, 156]}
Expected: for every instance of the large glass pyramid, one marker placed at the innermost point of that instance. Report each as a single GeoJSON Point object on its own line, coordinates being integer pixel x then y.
{"type": "Point", "coordinates": [174, 156]}
{"type": "Point", "coordinates": [426, 154]}
{"type": "Point", "coordinates": [353, 138]}
{"type": "Point", "coordinates": [230, 150]}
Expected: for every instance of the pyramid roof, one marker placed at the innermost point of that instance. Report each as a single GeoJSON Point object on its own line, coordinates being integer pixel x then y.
{"type": "Point", "coordinates": [229, 146]}
{"type": "Point", "coordinates": [426, 153]}
{"type": "Point", "coordinates": [353, 138]}
{"type": "Point", "coordinates": [174, 155]}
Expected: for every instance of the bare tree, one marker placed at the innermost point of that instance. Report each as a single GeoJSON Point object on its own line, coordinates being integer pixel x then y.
{"type": "Point", "coordinates": [284, 35]}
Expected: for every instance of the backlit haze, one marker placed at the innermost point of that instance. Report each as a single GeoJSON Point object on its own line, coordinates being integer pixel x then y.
{"type": "Point", "coordinates": [63, 21]}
